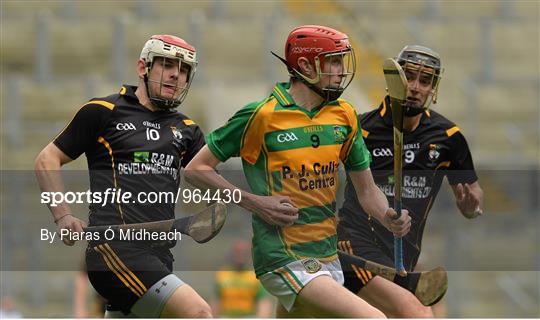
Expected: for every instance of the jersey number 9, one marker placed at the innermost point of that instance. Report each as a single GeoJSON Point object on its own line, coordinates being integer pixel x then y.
{"type": "Point", "coordinates": [315, 141]}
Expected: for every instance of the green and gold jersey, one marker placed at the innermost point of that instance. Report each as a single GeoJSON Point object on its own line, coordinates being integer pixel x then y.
{"type": "Point", "coordinates": [288, 150]}
{"type": "Point", "coordinates": [238, 293]}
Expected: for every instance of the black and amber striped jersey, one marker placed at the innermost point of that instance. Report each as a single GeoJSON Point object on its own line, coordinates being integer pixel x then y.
{"type": "Point", "coordinates": [435, 149]}
{"type": "Point", "coordinates": [130, 149]}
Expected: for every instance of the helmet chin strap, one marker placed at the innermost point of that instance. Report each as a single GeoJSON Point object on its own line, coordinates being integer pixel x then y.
{"type": "Point", "coordinates": [332, 94]}
{"type": "Point", "coordinates": [312, 87]}
{"type": "Point", "coordinates": [327, 94]}
{"type": "Point", "coordinates": [412, 109]}
{"type": "Point", "coordinates": [160, 103]}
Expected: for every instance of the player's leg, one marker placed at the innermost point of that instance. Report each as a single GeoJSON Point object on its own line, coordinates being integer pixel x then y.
{"type": "Point", "coordinates": [281, 312]}
{"type": "Point", "coordinates": [324, 297]}
{"type": "Point", "coordinates": [170, 297]}
{"type": "Point", "coordinates": [309, 288]}
{"type": "Point", "coordinates": [315, 301]}
{"type": "Point", "coordinates": [393, 300]}
{"type": "Point", "coordinates": [137, 282]}
{"type": "Point", "coordinates": [186, 303]}
{"type": "Point", "coordinates": [111, 273]}
{"type": "Point", "coordinates": [387, 296]}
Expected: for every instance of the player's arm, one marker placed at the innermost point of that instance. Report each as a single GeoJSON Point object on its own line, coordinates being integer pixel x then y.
{"type": "Point", "coordinates": [374, 202]}
{"type": "Point", "coordinates": [356, 159]}
{"type": "Point", "coordinates": [244, 128]}
{"type": "Point", "coordinates": [469, 199]}
{"type": "Point", "coordinates": [47, 169]}
{"type": "Point", "coordinates": [462, 178]}
{"type": "Point", "coordinates": [74, 140]}
{"type": "Point", "coordinates": [201, 173]}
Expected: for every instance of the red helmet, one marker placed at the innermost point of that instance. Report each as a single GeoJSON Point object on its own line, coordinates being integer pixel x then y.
{"type": "Point", "coordinates": [310, 41]}
{"type": "Point", "coordinates": [316, 43]}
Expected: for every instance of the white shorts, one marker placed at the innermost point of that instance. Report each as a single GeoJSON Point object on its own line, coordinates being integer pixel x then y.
{"type": "Point", "coordinates": [286, 282]}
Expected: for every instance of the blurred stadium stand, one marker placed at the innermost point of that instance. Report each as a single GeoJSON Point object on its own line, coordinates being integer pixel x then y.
{"type": "Point", "coordinates": [55, 55]}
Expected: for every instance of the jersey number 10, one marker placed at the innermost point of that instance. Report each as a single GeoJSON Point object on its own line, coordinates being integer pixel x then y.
{"type": "Point", "coordinates": [152, 134]}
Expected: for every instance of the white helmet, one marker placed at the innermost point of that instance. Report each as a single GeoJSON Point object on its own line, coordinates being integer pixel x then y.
{"type": "Point", "coordinates": [171, 47]}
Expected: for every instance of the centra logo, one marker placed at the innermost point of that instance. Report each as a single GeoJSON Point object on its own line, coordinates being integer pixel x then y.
{"type": "Point", "coordinates": [286, 137]}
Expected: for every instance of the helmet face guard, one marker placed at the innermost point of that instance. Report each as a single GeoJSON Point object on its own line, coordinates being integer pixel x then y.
{"type": "Point", "coordinates": [424, 65]}
{"type": "Point", "coordinates": [341, 64]}
{"type": "Point", "coordinates": [168, 52]}
{"type": "Point", "coordinates": [331, 54]}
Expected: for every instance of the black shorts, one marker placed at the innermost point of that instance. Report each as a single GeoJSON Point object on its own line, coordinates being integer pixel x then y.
{"type": "Point", "coordinates": [355, 242]}
{"type": "Point", "coordinates": [122, 272]}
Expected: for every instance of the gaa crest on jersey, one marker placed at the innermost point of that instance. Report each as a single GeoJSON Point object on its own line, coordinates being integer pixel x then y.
{"type": "Point", "coordinates": [433, 153]}
{"type": "Point", "coordinates": [339, 134]}
{"type": "Point", "coordinates": [177, 136]}
{"type": "Point", "coordinates": [311, 265]}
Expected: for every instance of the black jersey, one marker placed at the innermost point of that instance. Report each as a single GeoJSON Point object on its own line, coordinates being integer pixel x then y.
{"type": "Point", "coordinates": [436, 148]}
{"type": "Point", "coordinates": [130, 149]}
